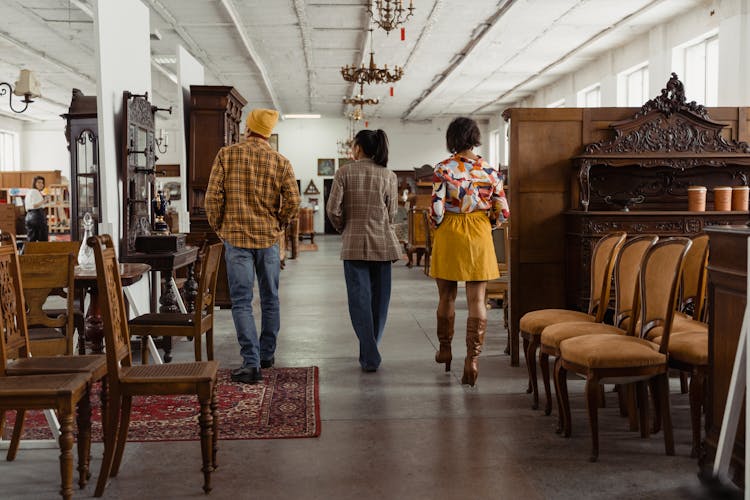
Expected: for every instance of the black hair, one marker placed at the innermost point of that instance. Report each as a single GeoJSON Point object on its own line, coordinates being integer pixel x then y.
{"type": "Point", "coordinates": [463, 134]}
{"type": "Point", "coordinates": [38, 178]}
{"type": "Point", "coordinates": [374, 144]}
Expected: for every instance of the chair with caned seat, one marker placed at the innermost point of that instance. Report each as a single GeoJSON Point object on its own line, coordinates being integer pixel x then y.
{"type": "Point", "coordinates": [63, 247]}
{"type": "Point", "coordinates": [627, 266]}
{"type": "Point", "coordinates": [126, 380]}
{"type": "Point", "coordinates": [62, 392]}
{"type": "Point", "coordinates": [17, 350]}
{"type": "Point", "coordinates": [195, 324]}
{"type": "Point", "coordinates": [533, 323]}
{"type": "Point", "coordinates": [621, 359]}
{"type": "Point", "coordinates": [498, 289]}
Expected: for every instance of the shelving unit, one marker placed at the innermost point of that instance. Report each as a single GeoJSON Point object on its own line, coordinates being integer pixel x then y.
{"type": "Point", "coordinates": [58, 208]}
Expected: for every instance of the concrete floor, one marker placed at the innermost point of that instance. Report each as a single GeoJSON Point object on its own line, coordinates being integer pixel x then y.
{"type": "Point", "coordinates": [409, 431]}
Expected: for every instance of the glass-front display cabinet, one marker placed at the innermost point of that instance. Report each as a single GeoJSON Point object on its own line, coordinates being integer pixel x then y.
{"type": "Point", "coordinates": [81, 133]}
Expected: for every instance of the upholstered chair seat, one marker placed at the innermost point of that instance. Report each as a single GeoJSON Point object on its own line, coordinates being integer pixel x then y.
{"type": "Point", "coordinates": [688, 347]}
{"type": "Point", "coordinates": [535, 322]}
{"type": "Point", "coordinates": [554, 334]}
{"type": "Point", "coordinates": [611, 351]}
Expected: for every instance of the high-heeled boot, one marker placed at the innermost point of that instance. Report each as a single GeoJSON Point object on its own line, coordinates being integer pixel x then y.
{"type": "Point", "coordinates": [445, 336]}
{"type": "Point", "coordinates": [475, 329]}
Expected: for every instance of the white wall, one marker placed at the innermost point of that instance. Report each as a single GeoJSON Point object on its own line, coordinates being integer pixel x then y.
{"type": "Point", "coordinates": [730, 17]}
{"type": "Point", "coordinates": [411, 145]}
{"type": "Point", "coordinates": [43, 147]}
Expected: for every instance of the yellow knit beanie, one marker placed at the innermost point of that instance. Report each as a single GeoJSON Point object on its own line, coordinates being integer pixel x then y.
{"type": "Point", "coordinates": [262, 121]}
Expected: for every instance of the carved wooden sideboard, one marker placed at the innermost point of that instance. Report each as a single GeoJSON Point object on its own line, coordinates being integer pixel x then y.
{"type": "Point", "coordinates": [638, 180]}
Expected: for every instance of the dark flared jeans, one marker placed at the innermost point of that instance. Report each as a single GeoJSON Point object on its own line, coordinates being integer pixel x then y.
{"type": "Point", "coordinates": [368, 286]}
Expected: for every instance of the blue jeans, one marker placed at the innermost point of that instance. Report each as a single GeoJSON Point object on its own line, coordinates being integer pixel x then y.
{"type": "Point", "coordinates": [368, 287]}
{"type": "Point", "coordinates": [242, 266]}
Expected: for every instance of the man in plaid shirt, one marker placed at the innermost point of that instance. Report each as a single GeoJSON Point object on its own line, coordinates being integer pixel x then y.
{"type": "Point", "coordinates": [251, 197]}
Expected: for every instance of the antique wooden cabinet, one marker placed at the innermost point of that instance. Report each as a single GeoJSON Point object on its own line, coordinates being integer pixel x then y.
{"type": "Point", "coordinates": [215, 114]}
{"type": "Point", "coordinates": [81, 132]}
{"type": "Point", "coordinates": [638, 181]}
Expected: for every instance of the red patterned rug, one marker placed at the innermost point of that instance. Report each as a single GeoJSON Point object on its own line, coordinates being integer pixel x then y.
{"type": "Point", "coordinates": [286, 405]}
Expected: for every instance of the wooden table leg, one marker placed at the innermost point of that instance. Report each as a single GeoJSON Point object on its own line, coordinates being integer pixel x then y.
{"type": "Point", "coordinates": [94, 329]}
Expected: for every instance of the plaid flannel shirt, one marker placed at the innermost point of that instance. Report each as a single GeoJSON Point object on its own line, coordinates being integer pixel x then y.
{"type": "Point", "coordinates": [252, 194]}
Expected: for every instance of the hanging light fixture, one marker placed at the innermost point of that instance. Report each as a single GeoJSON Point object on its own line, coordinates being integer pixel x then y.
{"type": "Point", "coordinates": [360, 99]}
{"type": "Point", "coordinates": [389, 14]}
{"type": "Point", "coordinates": [371, 74]}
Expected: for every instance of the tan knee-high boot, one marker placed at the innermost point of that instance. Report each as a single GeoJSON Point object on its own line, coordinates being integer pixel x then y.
{"type": "Point", "coordinates": [445, 336]}
{"type": "Point", "coordinates": [475, 329]}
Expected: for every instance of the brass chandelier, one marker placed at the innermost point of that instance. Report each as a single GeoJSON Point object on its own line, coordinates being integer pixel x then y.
{"type": "Point", "coordinates": [371, 74]}
{"type": "Point", "coordinates": [389, 14]}
{"type": "Point", "coordinates": [360, 99]}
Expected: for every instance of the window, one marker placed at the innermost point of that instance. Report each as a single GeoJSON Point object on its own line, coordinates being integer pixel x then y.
{"type": "Point", "coordinates": [590, 97]}
{"type": "Point", "coordinates": [494, 147]}
{"type": "Point", "coordinates": [633, 86]}
{"type": "Point", "coordinates": [9, 154]}
{"type": "Point", "coordinates": [700, 61]}
{"type": "Point", "coordinates": [557, 104]}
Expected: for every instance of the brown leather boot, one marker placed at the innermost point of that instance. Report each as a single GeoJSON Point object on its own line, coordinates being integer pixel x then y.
{"type": "Point", "coordinates": [445, 336]}
{"type": "Point", "coordinates": [475, 329]}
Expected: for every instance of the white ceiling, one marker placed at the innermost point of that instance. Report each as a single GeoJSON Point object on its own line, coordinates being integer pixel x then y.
{"type": "Point", "coordinates": [459, 56]}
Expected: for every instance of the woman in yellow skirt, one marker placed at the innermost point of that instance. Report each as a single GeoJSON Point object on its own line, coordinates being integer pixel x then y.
{"type": "Point", "coordinates": [467, 202]}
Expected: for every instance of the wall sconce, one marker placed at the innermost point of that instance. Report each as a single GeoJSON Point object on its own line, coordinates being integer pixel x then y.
{"type": "Point", "coordinates": [26, 86]}
{"type": "Point", "coordinates": [162, 141]}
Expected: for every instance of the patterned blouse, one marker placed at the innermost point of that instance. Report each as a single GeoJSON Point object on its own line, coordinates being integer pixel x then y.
{"type": "Point", "coordinates": [463, 185]}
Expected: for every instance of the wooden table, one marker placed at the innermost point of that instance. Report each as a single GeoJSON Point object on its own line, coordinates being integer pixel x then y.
{"type": "Point", "coordinates": [94, 327]}
{"type": "Point", "coordinates": [165, 263]}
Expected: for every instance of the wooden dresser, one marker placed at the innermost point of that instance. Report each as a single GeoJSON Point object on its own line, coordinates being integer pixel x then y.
{"type": "Point", "coordinates": [215, 114]}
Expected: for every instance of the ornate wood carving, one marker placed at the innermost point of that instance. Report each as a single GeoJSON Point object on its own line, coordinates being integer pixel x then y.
{"type": "Point", "coordinates": [669, 136]}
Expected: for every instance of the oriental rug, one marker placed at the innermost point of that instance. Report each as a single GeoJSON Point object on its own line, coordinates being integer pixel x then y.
{"type": "Point", "coordinates": [285, 405]}
{"type": "Point", "coordinates": [308, 247]}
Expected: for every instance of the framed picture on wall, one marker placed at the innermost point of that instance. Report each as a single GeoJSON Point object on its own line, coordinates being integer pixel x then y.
{"type": "Point", "coordinates": [326, 166]}
{"type": "Point", "coordinates": [274, 141]}
{"type": "Point", "coordinates": [344, 161]}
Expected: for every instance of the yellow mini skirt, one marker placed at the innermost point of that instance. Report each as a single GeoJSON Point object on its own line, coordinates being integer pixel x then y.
{"type": "Point", "coordinates": [462, 248]}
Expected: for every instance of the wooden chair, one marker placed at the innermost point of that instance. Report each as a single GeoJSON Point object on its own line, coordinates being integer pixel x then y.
{"type": "Point", "coordinates": [627, 266]}
{"type": "Point", "coordinates": [62, 392]}
{"type": "Point", "coordinates": [500, 288]}
{"type": "Point", "coordinates": [64, 247]}
{"type": "Point", "coordinates": [688, 344]}
{"type": "Point", "coordinates": [17, 351]}
{"type": "Point", "coordinates": [428, 234]}
{"type": "Point", "coordinates": [194, 324]}
{"type": "Point", "coordinates": [533, 323]}
{"type": "Point", "coordinates": [418, 234]}
{"type": "Point", "coordinates": [126, 380]}
{"type": "Point", "coordinates": [619, 359]}
{"type": "Point", "coordinates": [44, 275]}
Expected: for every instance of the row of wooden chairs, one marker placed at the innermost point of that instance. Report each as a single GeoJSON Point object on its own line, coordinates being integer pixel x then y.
{"type": "Point", "coordinates": [649, 276]}
{"type": "Point", "coordinates": [64, 382]}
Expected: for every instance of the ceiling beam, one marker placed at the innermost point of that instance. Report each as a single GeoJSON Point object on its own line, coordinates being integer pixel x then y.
{"type": "Point", "coordinates": [461, 57]}
{"type": "Point", "coordinates": [254, 56]}
{"type": "Point", "coordinates": [191, 44]}
{"type": "Point", "coordinates": [304, 28]}
{"type": "Point", "coordinates": [571, 53]}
